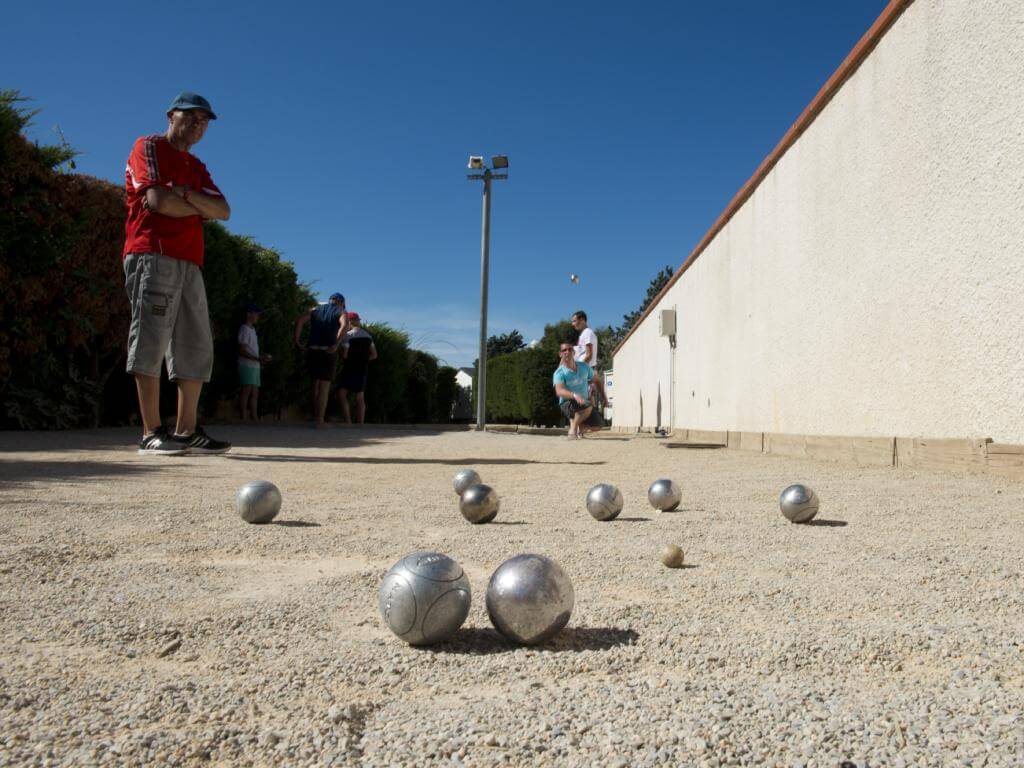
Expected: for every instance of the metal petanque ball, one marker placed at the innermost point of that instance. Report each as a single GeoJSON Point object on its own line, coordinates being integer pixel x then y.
{"type": "Point", "coordinates": [479, 503]}
{"type": "Point", "coordinates": [258, 501]}
{"type": "Point", "coordinates": [664, 494]}
{"type": "Point", "coordinates": [604, 502]}
{"type": "Point", "coordinates": [529, 599]}
{"type": "Point", "coordinates": [799, 503]}
{"type": "Point", "coordinates": [424, 598]}
{"type": "Point", "coordinates": [463, 479]}
{"type": "Point", "coordinates": [672, 556]}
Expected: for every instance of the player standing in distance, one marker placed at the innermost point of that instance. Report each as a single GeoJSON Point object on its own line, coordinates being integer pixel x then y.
{"type": "Point", "coordinates": [357, 351]}
{"type": "Point", "coordinates": [585, 351]}
{"type": "Point", "coordinates": [327, 326]}
{"type": "Point", "coordinates": [249, 363]}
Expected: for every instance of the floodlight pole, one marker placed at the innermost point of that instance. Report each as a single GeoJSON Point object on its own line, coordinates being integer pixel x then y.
{"type": "Point", "coordinates": [485, 248]}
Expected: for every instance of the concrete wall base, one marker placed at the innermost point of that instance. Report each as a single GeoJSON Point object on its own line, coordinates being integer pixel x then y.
{"type": "Point", "coordinates": [976, 454]}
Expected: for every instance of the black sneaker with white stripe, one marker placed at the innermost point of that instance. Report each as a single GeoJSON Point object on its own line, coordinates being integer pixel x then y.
{"type": "Point", "coordinates": [200, 442]}
{"type": "Point", "coordinates": [159, 443]}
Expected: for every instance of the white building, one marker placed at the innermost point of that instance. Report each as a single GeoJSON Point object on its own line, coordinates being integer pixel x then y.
{"type": "Point", "coordinates": [867, 281]}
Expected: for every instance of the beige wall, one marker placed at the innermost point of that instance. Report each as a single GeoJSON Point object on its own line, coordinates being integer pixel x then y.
{"type": "Point", "coordinates": [873, 284]}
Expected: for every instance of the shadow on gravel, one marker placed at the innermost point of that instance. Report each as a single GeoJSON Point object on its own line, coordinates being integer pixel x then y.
{"type": "Point", "coordinates": [480, 642]}
{"type": "Point", "coordinates": [827, 523]}
{"type": "Point", "coordinates": [294, 524]}
{"type": "Point", "coordinates": [376, 460]}
{"type": "Point", "coordinates": [632, 519]}
{"type": "Point", "coordinates": [509, 522]}
{"type": "Point", "coordinates": [13, 471]}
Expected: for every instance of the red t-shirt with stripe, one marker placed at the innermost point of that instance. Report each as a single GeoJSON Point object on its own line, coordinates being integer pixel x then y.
{"type": "Point", "coordinates": [154, 162]}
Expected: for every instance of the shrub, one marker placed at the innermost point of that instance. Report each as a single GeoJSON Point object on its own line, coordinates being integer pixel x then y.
{"type": "Point", "coordinates": [388, 376]}
{"type": "Point", "coordinates": [62, 323]}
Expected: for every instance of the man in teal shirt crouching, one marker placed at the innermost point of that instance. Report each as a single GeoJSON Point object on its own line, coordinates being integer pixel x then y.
{"type": "Point", "coordinates": [572, 385]}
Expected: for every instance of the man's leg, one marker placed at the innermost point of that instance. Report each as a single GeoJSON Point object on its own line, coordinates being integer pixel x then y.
{"type": "Point", "coordinates": [243, 400]}
{"type": "Point", "coordinates": [254, 402]}
{"type": "Point", "coordinates": [323, 390]}
{"type": "Point", "coordinates": [360, 408]}
{"type": "Point", "coordinates": [584, 416]}
{"type": "Point", "coordinates": [602, 398]}
{"type": "Point", "coordinates": [153, 297]}
{"type": "Point", "coordinates": [148, 388]}
{"type": "Point", "coordinates": [188, 403]}
{"type": "Point", "coordinates": [343, 401]}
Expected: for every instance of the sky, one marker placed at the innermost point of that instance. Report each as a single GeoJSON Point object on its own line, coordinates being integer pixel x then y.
{"type": "Point", "coordinates": [344, 130]}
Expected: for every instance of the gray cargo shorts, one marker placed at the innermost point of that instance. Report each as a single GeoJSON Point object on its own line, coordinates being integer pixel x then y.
{"type": "Point", "coordinates": [170, 318]}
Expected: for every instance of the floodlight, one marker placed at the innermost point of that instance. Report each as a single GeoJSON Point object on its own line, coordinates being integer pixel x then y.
{"type": "Point", "coordinates": [476, 161]}
{"type": "Point", "coordinates": [499, 161]}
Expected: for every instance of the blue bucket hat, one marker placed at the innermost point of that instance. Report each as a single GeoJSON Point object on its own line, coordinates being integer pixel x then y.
{"type": "Point", "coordinates": [187, 100]}
{"type": "Point", "coordinates": [338, 297]}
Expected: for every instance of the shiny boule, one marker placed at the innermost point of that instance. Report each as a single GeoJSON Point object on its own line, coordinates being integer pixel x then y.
{"type": "Point", "coordinates": [671, 556]}
{"type": "Point", "coordinates": [463, 479]}
{"type": "Point", "coordinates": [258, 501]}
{"type": "Point", "coordinates": [529, 599]}
{"type": "Point", "coordinates": [604, 502]}
{"type": "Point", "coordinates": [479, 503]}
{"type": "Point", "coordinates": [799, 503]}
{"type": "Point", "coordinates": [664, 494]}
{"type": "Point", "coordinates": [424, 598]}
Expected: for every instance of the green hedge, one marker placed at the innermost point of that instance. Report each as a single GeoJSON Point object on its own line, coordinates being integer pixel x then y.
{"type": "Point", "coordinates": [519, 389]}
{"type": "Point", "coordinates": [62, 322]}
{"type": "Point", "coordinates": [239, 271]}
{"type": "Point", "coordinates": [406, 386]}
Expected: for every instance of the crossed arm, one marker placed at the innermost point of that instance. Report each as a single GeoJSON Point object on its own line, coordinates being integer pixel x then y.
{"type": "Point", "coordinates": [180, 202]}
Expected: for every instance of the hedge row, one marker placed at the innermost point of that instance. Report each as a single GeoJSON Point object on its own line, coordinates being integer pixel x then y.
{"type": "Point", "coordinates": [519, 389]}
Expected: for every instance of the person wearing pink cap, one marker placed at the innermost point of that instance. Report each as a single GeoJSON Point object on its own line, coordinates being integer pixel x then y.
{"type": "Point", "coordinates": [357, 351]}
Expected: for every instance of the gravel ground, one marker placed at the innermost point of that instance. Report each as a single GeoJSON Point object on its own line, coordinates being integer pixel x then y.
{"type": "Point", "coordinates": [144, 623]}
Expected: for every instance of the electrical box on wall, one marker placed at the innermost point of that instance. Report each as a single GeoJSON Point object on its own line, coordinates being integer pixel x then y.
{"type": "Point", "coordinates": [667, 322]}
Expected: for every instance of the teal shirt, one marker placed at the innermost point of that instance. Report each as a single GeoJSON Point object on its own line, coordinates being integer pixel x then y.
{"type": "Point", "coordinates": [577, 382]}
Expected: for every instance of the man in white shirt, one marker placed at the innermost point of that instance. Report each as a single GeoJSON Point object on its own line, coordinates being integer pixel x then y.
{"type": "Point", "coordinates": [585, 351]}
{"type": "Point", "coordinates": [249, 361]}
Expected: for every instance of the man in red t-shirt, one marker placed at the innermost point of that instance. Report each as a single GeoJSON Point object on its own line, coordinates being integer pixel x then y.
{"type": "Point", "coordinates": [169, 195]}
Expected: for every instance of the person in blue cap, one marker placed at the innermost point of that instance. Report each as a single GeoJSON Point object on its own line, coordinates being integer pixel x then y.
{"type": "Point", "coordinates": [250, 363]}
{"type": "Point", "coordinates": [169, 194]}
{"type": "Point", "coordinates": [328, 324]}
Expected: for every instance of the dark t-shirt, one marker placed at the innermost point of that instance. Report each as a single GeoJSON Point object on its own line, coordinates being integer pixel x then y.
{"type": "Point", "coordinates": [323, 325]}
{"type": "Point", "coordinates": [358, 357]}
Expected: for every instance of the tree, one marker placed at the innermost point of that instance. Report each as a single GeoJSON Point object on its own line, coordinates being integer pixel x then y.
{"type": "Point", "coordinates": [505, 344]}
{"type": "Point", "coordinates": [628, 321]}
{"type": "Point", "coordinates": [554, 334]}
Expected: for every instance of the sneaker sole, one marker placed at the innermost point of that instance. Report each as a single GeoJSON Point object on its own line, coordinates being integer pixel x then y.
{"type": "Point", "coordinates": [151, 452]}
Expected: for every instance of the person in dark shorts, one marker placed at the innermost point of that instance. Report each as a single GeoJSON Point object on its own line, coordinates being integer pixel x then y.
{"type": "Point", "coordinates": [328, 324]}
{"type": "Point", "coordinates": [572, 385]}
{"type": "Point", "coordinates": [169, 194]}
{"type": "Point", "coordinates": [357, 351]}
